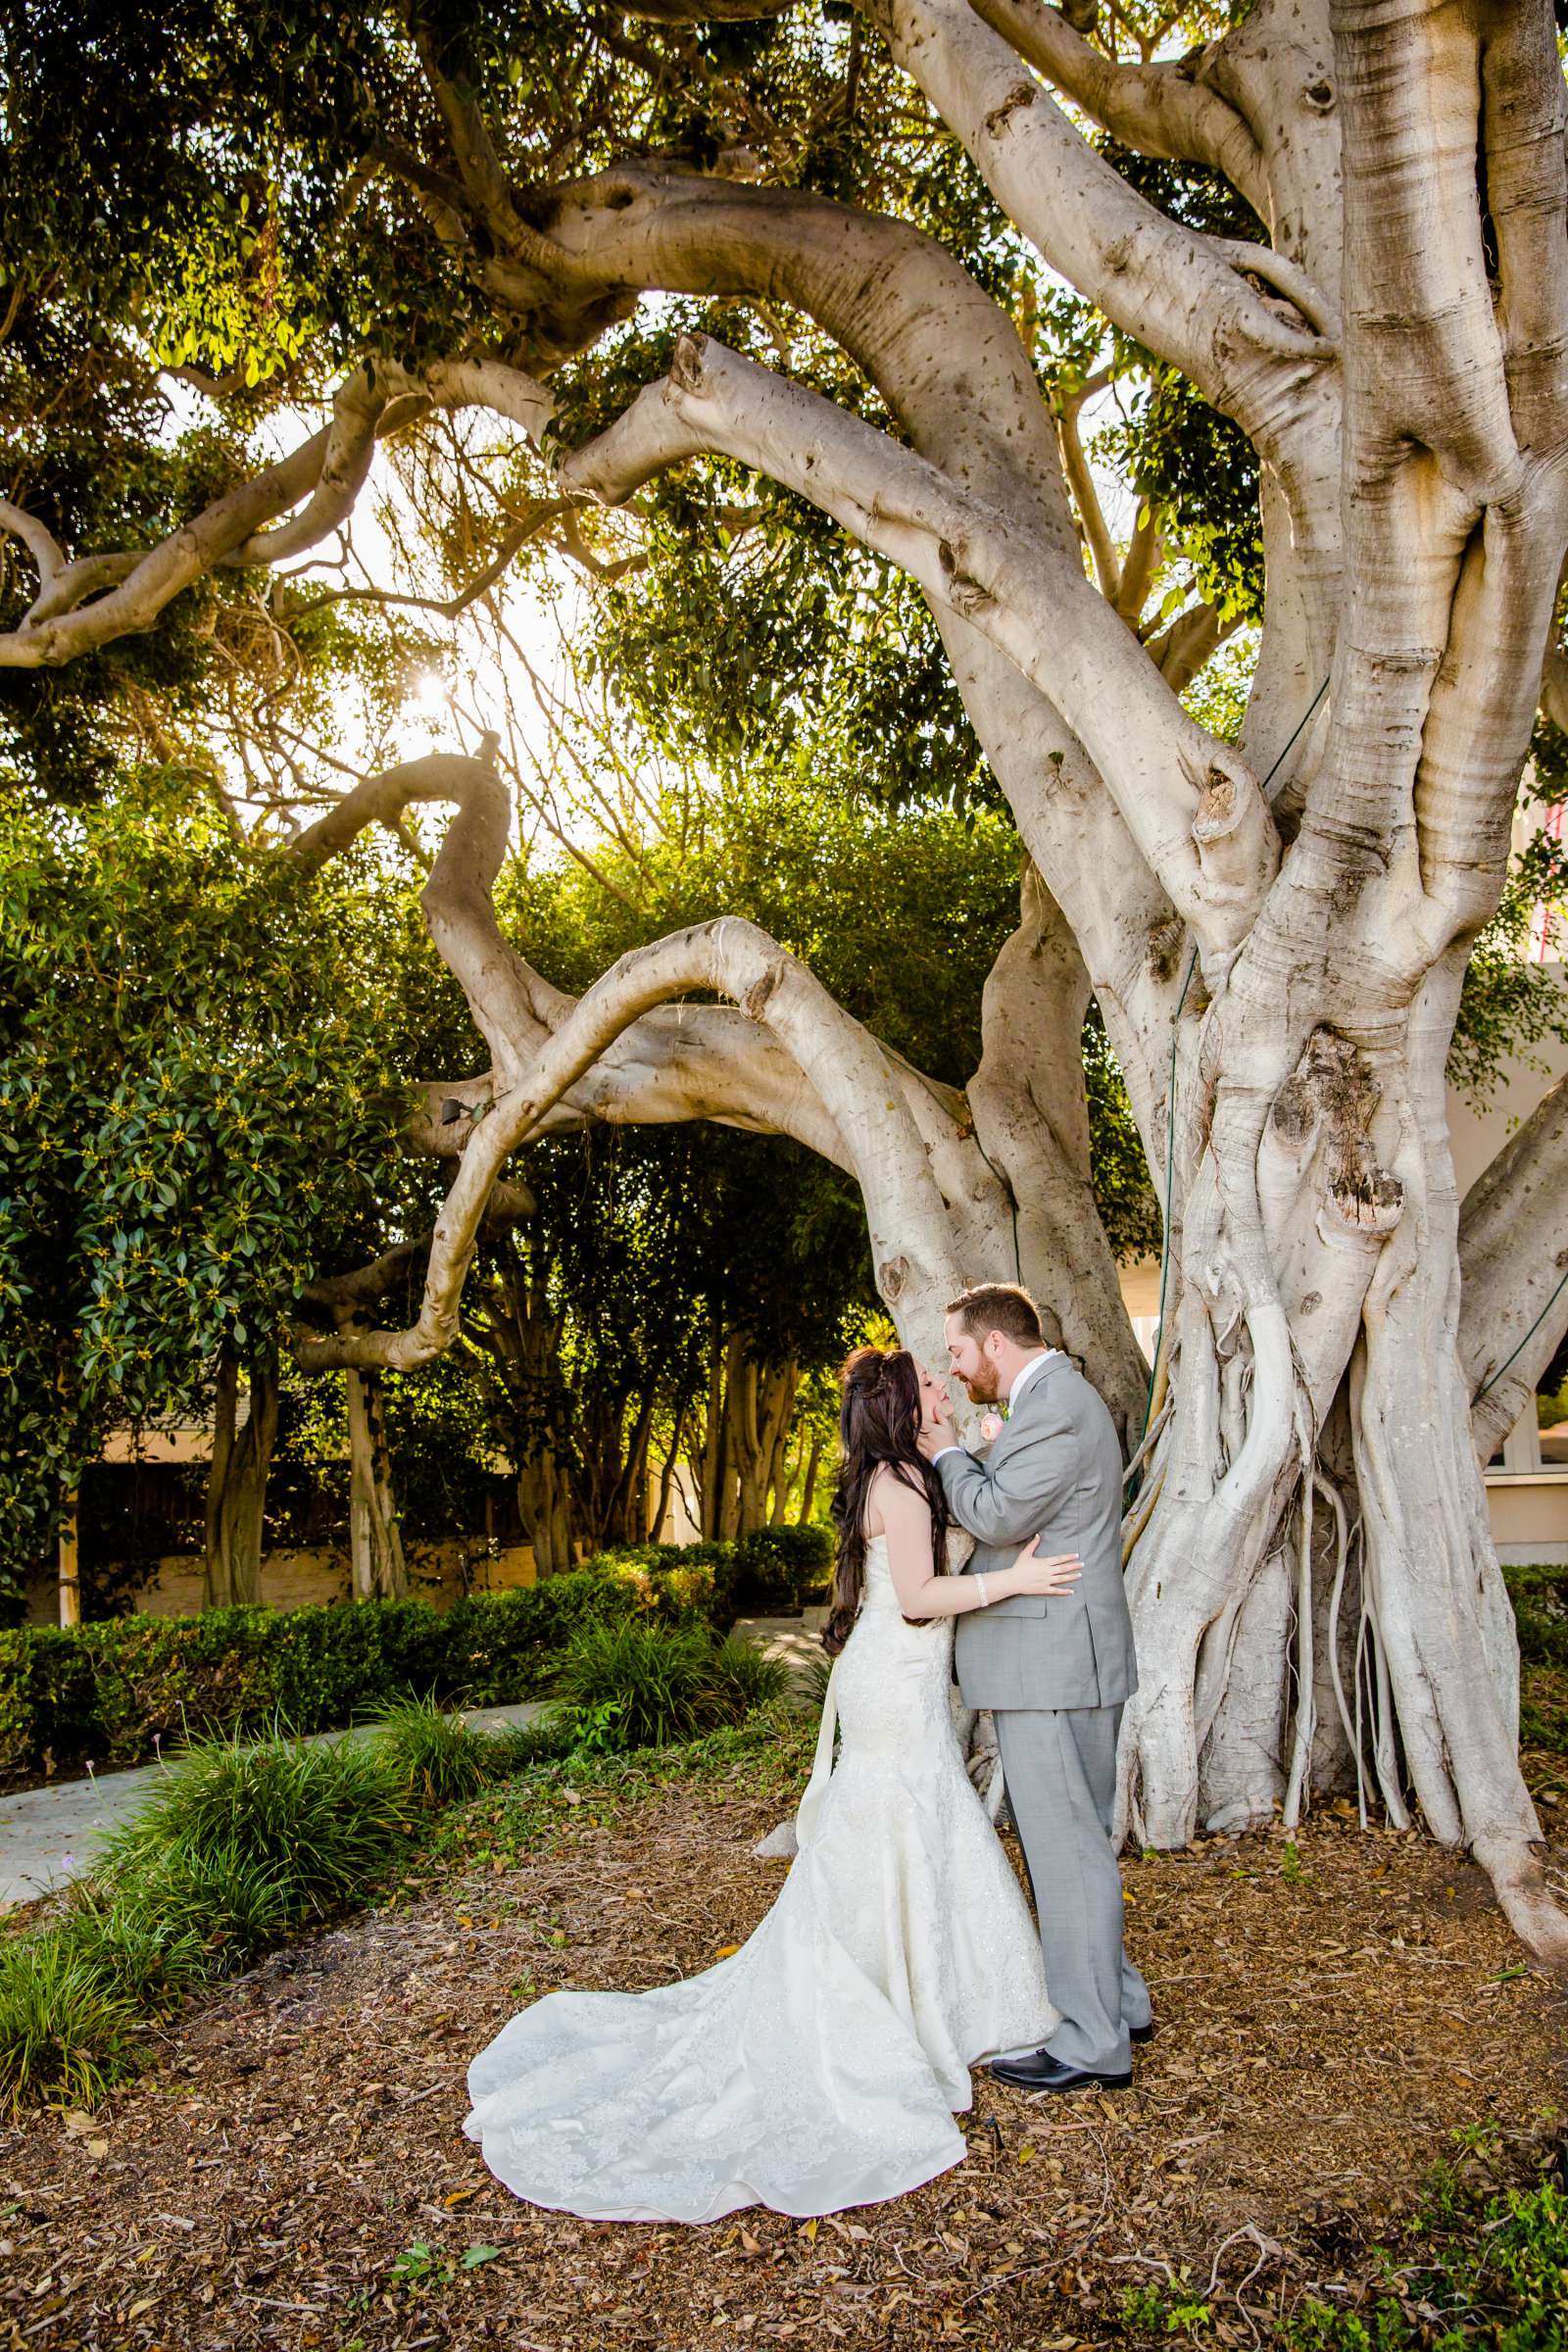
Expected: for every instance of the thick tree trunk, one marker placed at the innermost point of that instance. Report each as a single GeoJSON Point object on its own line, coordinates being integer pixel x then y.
{"type": "Point", "coordinates": [236, 1483]}
{"type": "Point", "coordinates": [1276, 932]}
{"type": "Point", "coordinates": [544, 1506]}
{"type": "Point", "coordinates": [667, 1477]}
{"type": "Point", "coordinates": [377, 1566]}
{"type": "Point", "coordinates": [740, 1463]}
{"type": "Point", "coordinates": [518, 1341]}
{"type": "Point", "coordinates": [1252, 1621]}
{"type": "Point", "coordinates": [68, 1562]}
{"type": "Point", "coordinates": [610, 1485]}
{"type": "Point", "coordinates": [814, 1459]}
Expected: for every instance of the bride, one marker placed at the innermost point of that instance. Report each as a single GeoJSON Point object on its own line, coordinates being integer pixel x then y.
{"type": "Point", "coordinates": [822, 2065]}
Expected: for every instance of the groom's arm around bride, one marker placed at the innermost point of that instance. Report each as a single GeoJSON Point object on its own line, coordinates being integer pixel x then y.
{"type": "Point", "coordinates": [1055, 1670]}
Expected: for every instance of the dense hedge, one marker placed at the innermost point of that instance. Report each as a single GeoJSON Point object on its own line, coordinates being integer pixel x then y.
{"type": "Point", "coordinates": [773, 1569]}
{"type": "Point", "coordinates": [114, 1693]}
{"type": "Point", "coordinates": [1539, 1596]}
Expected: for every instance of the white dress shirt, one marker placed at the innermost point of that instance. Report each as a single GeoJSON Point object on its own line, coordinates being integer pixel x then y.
{"type": "Point", "coordinates": [1021, 1381]}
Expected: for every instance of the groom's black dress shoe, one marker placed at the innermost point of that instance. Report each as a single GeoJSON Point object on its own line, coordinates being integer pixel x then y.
{"type": "Point", "coordinates": [1042, 2072]}
{"type": "Point", "coordinates": [1142, 2033]}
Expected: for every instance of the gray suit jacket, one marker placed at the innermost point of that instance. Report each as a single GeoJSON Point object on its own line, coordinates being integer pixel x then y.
{"type": "Point", "coordinates": [1056, 1472]}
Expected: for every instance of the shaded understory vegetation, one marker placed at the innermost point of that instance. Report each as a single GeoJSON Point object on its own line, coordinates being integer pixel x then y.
{"type": "Point", "coordinates": [115, 1692]}
{"type": "Point", "coordinates": [248, 1842]}
{"type": "Point", "coordinates": [1477, 2265]}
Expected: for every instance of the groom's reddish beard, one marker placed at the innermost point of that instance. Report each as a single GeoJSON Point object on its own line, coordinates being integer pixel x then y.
{"type": "Point", "coordinates": [986, 1386]}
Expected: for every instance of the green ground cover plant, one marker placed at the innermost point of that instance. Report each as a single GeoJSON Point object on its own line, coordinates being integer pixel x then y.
{"type": "Point", "coordinates": [120, 1692]}
{"type": "Point", "coordinates": [248, 1842]}
{"type": "Point", "coordinates": [1482, 2267]}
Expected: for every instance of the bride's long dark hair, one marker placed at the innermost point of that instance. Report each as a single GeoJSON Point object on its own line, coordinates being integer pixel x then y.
{"type": "Point", "coordinates": [879, 1423]}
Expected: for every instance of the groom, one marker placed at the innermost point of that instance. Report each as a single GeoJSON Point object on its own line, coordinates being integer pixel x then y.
{"type": "Point", "coordinates": [1055, 1671]}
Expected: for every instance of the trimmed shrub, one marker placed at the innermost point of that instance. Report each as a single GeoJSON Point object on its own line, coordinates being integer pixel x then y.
{"type": "Point", "coordinates": [1539, 1596]}
{"type": "Point", "coordinates": [434, 1757]}
{"type": "Point", "coordinates": [319, 1824]}
{"type": "Point", "coordinates": [119, 1693]}
{"type": "Point", "coordinates": [64, 2034]}
{"type": "Point", "coordinates": [778, 1568]}
{"type": "Point", "coordinates": [122, 1690]}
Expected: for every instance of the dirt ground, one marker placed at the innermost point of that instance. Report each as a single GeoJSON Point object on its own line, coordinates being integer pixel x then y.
{"type": "Point", "coordinates": [293, 2172]}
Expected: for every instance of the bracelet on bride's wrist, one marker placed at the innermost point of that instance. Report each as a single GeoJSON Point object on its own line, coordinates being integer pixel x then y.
{"type": "Point", "coordinates": [985, 1598]}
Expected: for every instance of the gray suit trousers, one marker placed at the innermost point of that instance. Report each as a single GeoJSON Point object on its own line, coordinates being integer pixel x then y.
{"type": "Point", "coordinates": [1059, 1768]}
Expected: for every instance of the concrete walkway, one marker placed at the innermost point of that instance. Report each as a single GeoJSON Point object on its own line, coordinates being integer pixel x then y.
{"type": "Point", "coordinates": [53, 1834]}
{"type": "Point", "coordinates": [797, 1640]}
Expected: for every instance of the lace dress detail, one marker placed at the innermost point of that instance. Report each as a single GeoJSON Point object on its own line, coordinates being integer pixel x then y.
{"type": "Point", "coordinates": [822, 2065]}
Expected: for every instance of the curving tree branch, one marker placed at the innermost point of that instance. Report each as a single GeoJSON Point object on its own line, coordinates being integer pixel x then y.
{"type": "Point", "coordinates": [1165, 109]}
{"type": "Point", "coordinates": [683, 1062]}
{"type": "Point", "coordinates": [358, 408]}
{"type": "Point", "coordinates": [1186, 296]}
{"type": "Point", "coordinates": [910, 1229]}
{"type": "Point", "coordinates": [1513, 1257]}
{"type": "Point", "coordinates": [139, 587]}
{"type": "Point", "coordinates": [1193, 807]}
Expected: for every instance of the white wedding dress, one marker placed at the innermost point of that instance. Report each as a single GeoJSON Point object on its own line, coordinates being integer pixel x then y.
{"type": "Point", "coordinates": [820, 2066]}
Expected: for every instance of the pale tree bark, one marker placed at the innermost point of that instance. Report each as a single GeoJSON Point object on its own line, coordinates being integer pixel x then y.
{"type": "Point", "coordinates": [1452, 539]}
{"type": "Point", "coordinates": [1276, 931]}
{"type": "Point", "coordinates": [1513, 1259]}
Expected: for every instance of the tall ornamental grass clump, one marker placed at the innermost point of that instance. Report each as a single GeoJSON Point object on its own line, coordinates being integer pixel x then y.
{"type": "Point", "coordinates": [239, 1846]}
{"type": "Point", "coordinates": [434, 1757]}
{"type": "Point", "coordinates": [65, 2031]}
{"type": "Point", "coordinates": [640, 1684]}
{"type": "Point", "coordinates": [742, 1677]}
{"type": "Point", "coordinates": [320, 1824]}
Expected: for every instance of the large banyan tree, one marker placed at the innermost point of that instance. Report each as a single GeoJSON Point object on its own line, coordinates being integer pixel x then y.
{"type": "Point", "coordinates": [712, 263]}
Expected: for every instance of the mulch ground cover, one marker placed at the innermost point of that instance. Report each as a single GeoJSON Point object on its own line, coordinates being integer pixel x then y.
{"type": "Point", "coordinates": [292, 2173]}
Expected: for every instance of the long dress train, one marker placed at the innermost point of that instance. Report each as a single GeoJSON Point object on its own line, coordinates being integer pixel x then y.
{"type": "Point", "coordinates": [822, 2065]}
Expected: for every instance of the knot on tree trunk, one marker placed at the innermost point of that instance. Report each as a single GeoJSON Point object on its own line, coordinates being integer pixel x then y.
{"type": "Point", "coordinates": [965, 593]}
{"type": "Point", "coordinates": [1233, 832]}
{"type": "Point", "coordinates": [1372, 1201]}
{"type": "Point", "coordinates": [688, 364]}
{"type": "Point", "coordinates": [1021, 96]}
{"type": "Point", "coordinates": [1328, 1102]}
{"type": "Point", "coordinates": [891, 1276]}
{"type": "Point", "coordinates": [1218, 806]}
{"type": "Point", "coordinates": [763, 989]}
{"type": "Point", "coordinates": [1330, 1086]}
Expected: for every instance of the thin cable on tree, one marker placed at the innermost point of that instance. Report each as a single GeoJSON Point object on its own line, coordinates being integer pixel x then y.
{"type": "Point", "coordinates": [1018, 1260]}
{"type": "Point", "coordinates": [1529, 1334]}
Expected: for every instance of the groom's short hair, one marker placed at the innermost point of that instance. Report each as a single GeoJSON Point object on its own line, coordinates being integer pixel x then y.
{"type": "Point", "coordinates": [1004, 1307]}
